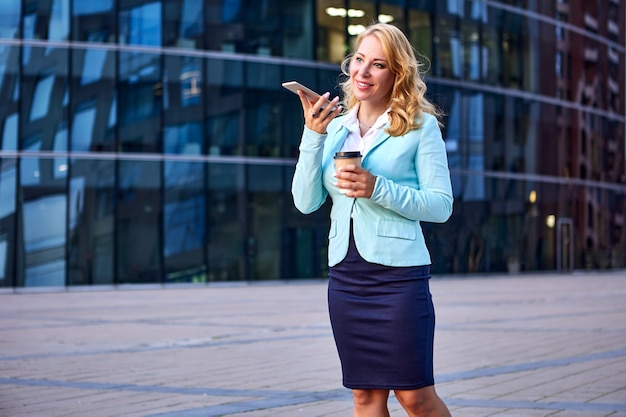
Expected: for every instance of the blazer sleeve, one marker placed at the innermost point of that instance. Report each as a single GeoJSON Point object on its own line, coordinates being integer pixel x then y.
{"type": "Point", "coordinates": [432, 200]}
{"type": "Point", "coordinates": [307, 188]}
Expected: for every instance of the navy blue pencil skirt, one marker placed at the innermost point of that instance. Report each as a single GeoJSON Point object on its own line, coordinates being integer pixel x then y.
{"type": "Point", "coordinates": [383, 322]}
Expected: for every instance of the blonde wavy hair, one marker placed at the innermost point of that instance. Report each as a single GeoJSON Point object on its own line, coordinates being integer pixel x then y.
{"type": "Point", "coordinates": [408, 100]}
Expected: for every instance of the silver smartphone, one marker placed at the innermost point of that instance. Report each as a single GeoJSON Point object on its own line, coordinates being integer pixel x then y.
{"type": "Point", "coordinates": [294, 86]}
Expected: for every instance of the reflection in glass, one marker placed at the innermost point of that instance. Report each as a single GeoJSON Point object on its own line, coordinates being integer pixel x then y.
{"type": "Point", "coordinates": [43, 256]}
{"type": "Point", "coordinates": [92, 93]}
{"type": "Point", "coordinates": [421, 36]}
{"type": "Point", "coordinates": [59, 20]}
{"type": "Point", "coordinates": [298, 30]}
{"type": "Point", "coordinates": [8, 189]}
{"type": "Point", "coordinates": [226, 214]}
{"type": "Point", "coordinates": [3, 259]}
{"type": "Point", "coordinates": [46, 19]}
{"type": "Point", "coordinates": [91, 222]}
{"type": "Point", "coordinates": [331, 38]}
{"type": "Point", "coordinates": [9, 133]}
{"type": "Point", "coordinates": [9, 19]}
{"type": "Point", "coordinates": [93, 66]}
{"type": "Point", "coordinates": [262, 123]}
{"type": "Point", "coordinates": [185, 139]}
{"type": "Point", "coordinates": [138, 241]}
{"type": "Point", "coordinates": [265, 184]}
{"type": "Point", "coordinates": [140, 24]}
{"type": "Point", "coordinates": [60, 145]}
{"type": "Point", "coordinates": [82, 127]}
{"type": "Point", "coordinates": [141, 90]}
{"type": "Point", "coordinates": [41, 98]}
{"type": "Point", "coordinates": [183, 89]}
{"type": "Point", "coordinates": [183, 23]}
{"type": "Point", "coordinates": [184, 224]}
{"type": "Point", "coordinates": [93, 21]}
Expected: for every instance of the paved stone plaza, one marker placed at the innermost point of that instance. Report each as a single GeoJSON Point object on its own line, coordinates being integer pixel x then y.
{"type": "Point", "coordinates": [517, 345]}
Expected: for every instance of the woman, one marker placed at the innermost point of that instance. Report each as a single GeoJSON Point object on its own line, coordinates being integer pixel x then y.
{"type": "Point", "coordinates": [379, 300]}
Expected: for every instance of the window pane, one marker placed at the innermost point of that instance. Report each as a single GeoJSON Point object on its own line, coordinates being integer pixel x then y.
{"type": "Point", "coordinates": [46, 96]}
{"type": "Point", "coordinates": [265, 217]}
{"type": "Point", "coordinates": [8, 193]}
{"type": "Point", "coordinates": [140, 22]}
{"type": "Point", "coordinates": [331, 30]}
{"type": "Point", "coordinates": [43, 198]}
{"type": "Point", "coordinates": [91, 222]}
{"type": "Point", "coordinates": [224, 27]}
{"type": "Point", "coordinates": [262, 23]}
{"type": "Point", "coordinates": [184, 23]}
{"type": "Point", "coordinates": [93, 97]}
{"type": "Point", "coordinates": [225, 101]}
{"type": "Point", "coordinates": [226, 213]}
{"type": "Point", "coordinates": [361, 13]}
{"type": "Point", "coordinates": [9, 19]}
{"type": "Point", "coordinates": [9, 133]}
{"type": "Point", "coordinates": [138, 206]}
{"type": "Point", "coordinates": [93, 21]}
{"type": "Point", "coordinates": [184, 223]}
{"type": "Point", "coordinates": [46, 19]}
{"type": "Point", "coordinates": [41, 98]}
{"type": "Point", "coordinates": [183, 88]}
{"type": "Point", "coordinates": [298, 29]}
{"type": "Point", "coordinates": [141, 93]}
{"type": "Point", "coordinates": [421, 36]}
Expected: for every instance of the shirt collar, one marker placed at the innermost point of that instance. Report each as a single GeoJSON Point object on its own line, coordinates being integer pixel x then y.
{"type": "Point", "coordinates": [351, 121]}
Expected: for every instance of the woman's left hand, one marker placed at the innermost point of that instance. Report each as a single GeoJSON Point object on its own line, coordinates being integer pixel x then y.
{"type": "Point", "coordinates": [358, 181]}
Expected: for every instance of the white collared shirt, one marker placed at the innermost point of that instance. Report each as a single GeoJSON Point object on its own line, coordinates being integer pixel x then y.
{"type": "Point", "coordinates": [356, 142]}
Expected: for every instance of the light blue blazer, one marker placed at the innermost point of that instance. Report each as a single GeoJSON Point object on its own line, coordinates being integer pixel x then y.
{"type": "Point", "coordinates": [412, 185]}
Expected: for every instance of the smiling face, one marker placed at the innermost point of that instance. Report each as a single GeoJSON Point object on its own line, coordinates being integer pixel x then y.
{"type": "Point", "coordinates": [372, 79]}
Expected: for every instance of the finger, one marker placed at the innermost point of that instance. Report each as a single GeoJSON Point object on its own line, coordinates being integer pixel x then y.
{"type": "Point", "coordinates": [306, 104]}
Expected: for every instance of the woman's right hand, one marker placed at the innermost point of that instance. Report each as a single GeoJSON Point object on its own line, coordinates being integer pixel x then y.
{"type": "Point", "coordinates": [315, 118]}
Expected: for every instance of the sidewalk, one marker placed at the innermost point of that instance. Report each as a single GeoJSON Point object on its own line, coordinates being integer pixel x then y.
{"type": "Point", "coordinates": [524, 345]}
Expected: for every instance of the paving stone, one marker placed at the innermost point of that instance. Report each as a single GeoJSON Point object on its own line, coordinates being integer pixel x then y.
{"type": "Point", "coordinates": [525, 345]}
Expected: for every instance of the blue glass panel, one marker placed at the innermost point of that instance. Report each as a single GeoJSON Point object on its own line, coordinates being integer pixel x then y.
{"type": "Point", "coordinates": [43, 211]}
{"type": "Point", "coordinates": [140, 24]}
{"type": "Point", "coordinates": [41, 98]}
{"type": "Point", "coordinates": [59, 20]}
{"type": "Point", "coordinates": [141, 90]}
{"type": "Point", "coordinates": [223, 133]}
{"type": "Point", "coordinates": [263, 76]}
{"type": "Point", "coordinates": [7, 188]}
{"type": "Point", "coordinates": [183, 86]}
{"type": "Point", "coordinates": [184, 23]}
{"type": "Point", "coordinates": [92, 7]}
{"type": "Point", "coordinates": [59, 169]}
{"type": "Point", "coordinates": [93, 66]}
{"type": "Point", "coordinates": [264, 242]}
{"type": "Point", "coordinates": [93, 21]}
{"type": "Point", "coordinates": [91, 222]}
{"type": "Point", "coordinates": [184, 221]}
{"type": "Point", "coordinates": [183, 228]}
{"type": "Point", "coordinates": [9, 19]}
{"type": "Point", "coordinates": [47, 19]}
{"type": "Point", "coordinates": [226, 206]}
{"type": "Point", "coordinates": [9, 133]}
{"type": "Point", "coordinates": [8, 194]}
{"type": "Point", "coordinates": [224, 73]}
{"type": "Point", "coordinates": [93, 91]}
{"type": "Point", "coordinates": [83, 127]}
{"type": "Point", "coordinates": [183, 139]}
{"type": "Point", "coordinates": [138, 239]}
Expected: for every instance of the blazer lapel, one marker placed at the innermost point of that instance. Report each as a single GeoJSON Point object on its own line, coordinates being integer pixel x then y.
{"type": "Point", "coordinates": [382, 137]}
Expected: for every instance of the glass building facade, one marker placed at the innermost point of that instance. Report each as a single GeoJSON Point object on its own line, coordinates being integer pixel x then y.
{"type": "Point", "coordinates": [150, 141]}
